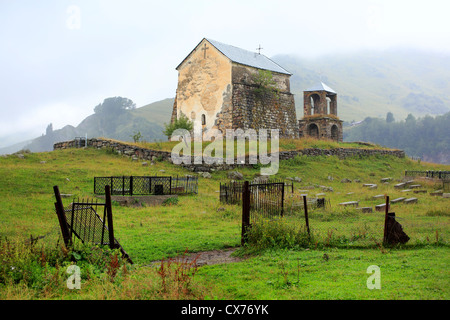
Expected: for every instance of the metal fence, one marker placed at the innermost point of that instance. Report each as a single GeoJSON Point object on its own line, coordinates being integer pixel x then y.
{"type": "Point", "coordinates": [80, 220]}
{"type": "Point", "coordinates": [265, 200]}
{"type": "Point", "coordinates": [446, 185]}
{"type": "Point", "coordinates": [86, 224]}
{"type": "Point", "coordinates": [147, 185]}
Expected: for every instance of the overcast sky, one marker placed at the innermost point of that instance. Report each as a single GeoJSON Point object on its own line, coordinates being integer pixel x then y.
{"type": "Point", "coordinates": [59, 59]}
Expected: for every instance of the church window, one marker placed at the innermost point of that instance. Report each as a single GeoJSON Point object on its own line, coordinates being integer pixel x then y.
{"type": "Point", "coordinates": [203, 120]}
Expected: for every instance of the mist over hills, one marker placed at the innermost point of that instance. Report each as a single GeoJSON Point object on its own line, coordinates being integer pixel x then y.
{"type": "Point", "coordinates": [369, 84]}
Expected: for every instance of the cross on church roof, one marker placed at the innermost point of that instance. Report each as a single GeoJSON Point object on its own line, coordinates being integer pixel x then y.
{"type": "Point", "coordinates": [204, 50]}
{"type": "Point", "coordinates": [259, 49]}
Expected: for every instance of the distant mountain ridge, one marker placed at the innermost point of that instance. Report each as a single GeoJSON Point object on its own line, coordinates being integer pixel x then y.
{"type": "Point", "coordinates": [369, 84]}
{"type": "Point", "coordinates": [148, 120]}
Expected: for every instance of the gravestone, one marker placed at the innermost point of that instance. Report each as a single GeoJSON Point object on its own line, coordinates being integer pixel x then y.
{"type": "Point", "coordinates": [411, 200]}
{"type": "Point", "coordinates": [381, 207]}
{"type": "Point", "coordinates": [398, 200]}
{"type": "Point", "coordinates": [349, 203]}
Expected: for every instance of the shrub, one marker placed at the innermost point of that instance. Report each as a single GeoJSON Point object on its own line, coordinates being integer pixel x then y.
{"type": "Point", "coordinates": [277, 234]}
{"type": "Point", "coordinates": [170, 201]}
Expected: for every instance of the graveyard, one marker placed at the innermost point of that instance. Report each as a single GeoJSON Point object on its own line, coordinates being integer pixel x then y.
{"type": "Point", "coordinates": [192, 248]}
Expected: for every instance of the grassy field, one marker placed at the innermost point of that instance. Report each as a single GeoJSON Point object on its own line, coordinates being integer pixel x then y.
{"type": "Point", "coordinates": [332, 266]}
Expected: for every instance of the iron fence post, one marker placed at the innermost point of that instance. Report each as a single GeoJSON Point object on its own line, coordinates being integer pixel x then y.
{"type": "Point", "coordinates": [61, 217]}
{"type": "Point", "coordinates": [386, 217]}
{"type": "Point", "coordinates": [245, 212]}
{"type": "Point", "coordinates": [305, 205]}
{"type": "Point", "coordinates": [109, 216]}
{"type": "Point", "coordinates": [131, 185]}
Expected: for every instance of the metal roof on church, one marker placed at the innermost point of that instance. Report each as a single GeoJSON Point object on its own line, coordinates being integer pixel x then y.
{"type": "Point", "coordinates": [321, 87]}
{"type": "Point", "coordinates": [247, 58]}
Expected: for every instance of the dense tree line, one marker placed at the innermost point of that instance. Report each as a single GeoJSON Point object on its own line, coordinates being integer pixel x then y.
{"type": "Point", "coordinates": [427, 138]}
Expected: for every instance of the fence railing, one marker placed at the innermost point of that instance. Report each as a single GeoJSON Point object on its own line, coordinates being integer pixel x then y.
{"type": "Point", "coordinates": [80, 220]}
{"type": "Point", "coordinates": [258, 200]}
{"type": "Point", "coordinates": [147, 185]}
{"type": "Point", "coordinates": [266, 199]}
{"type": "Point", "coordinates": [428, 174]}
{"type": "Point", "coordinates": [446, 185]}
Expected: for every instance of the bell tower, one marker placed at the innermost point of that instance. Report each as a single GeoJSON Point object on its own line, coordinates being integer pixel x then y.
{"type": "Point", "coordinates": [320, 118]}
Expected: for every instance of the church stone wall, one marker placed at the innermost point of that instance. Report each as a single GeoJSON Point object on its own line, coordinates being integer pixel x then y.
{"type": "Point", "coordinates": [268, 110]}
{"type": "Point", "coordinates": [262, 109]}
{"type": "Point", "coordinates": [245, 74]}
{"type": "Point", "coordinates": [204, 85]}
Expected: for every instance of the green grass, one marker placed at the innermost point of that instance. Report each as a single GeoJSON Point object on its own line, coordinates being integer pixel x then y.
{"type": "Point", "coordinates": [306, 274]}
{"type": "Point", "coordinates": [417, 270]}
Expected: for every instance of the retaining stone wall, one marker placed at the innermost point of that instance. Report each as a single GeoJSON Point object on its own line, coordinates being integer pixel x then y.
{"type": "Point", "coordinates": [207, 166]}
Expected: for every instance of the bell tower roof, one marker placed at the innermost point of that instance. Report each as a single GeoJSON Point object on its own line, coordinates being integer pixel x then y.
{"type": "Point", "coordinates": [321, 87]}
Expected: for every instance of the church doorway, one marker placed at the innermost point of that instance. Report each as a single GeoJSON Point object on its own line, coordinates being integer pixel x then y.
{"type": "Point", "coordinates": [334, 133]}
{"type": "Point", "coordinates": [313, 131]}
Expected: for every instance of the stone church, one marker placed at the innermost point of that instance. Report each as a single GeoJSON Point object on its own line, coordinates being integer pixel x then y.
{"type": "Point", "coordinates": [217, 86]}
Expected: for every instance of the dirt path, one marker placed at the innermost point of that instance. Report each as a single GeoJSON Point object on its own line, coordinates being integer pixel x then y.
{"type": "Point", "coordinates": [208, 257]}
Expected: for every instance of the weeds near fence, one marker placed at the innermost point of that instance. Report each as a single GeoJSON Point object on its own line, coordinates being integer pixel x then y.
{"type": "Point", "coordinates": [176, 275]}
{"type": "Point", "coordinates": [279, 233]}
{"type": "Point", "coordinates": [30, 270]}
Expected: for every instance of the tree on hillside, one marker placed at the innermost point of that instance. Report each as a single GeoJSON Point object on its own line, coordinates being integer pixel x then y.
{"type": "Point", "coordinates": [389, 117]}
{"type": "Point", "coordinates": [111, 112]}
{"type": "Point", "coordinates": [115, 105]}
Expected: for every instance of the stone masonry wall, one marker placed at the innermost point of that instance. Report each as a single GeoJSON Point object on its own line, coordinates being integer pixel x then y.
{"type": "Point", "coordinates": [151, 155]}
{"type": "Point", "coordinates": [267, 110]}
